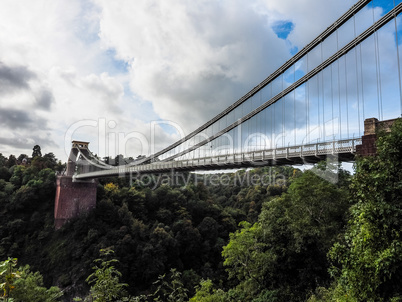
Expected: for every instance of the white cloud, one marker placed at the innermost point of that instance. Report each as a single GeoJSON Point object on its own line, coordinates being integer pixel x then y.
{"type": "Point", "coordinates": [51, 67]}
{"type": "Point", "coordinates": [310, 17]}
{"type": "Point", "coordinates": [132, 62]}
{"type": "Point", "coordinates": [191, 60]}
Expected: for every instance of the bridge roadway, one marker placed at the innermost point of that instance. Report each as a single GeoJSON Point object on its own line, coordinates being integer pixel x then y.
{"type": "Point", "coordinates": [344, 150]}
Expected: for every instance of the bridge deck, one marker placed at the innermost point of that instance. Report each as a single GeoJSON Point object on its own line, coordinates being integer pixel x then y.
{"type": "Point", "coordinates": [345, 151]}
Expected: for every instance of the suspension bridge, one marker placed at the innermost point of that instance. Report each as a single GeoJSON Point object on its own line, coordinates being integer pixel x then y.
{"type": "Point", "coordinates": [313, 106]}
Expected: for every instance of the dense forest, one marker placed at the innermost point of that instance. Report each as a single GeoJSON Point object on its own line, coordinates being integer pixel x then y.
{"type": "Point", "coordinates": [262, 234]}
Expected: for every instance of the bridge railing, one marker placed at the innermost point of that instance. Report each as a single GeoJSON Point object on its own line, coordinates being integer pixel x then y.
{"type": "Point", "coordinates": [343, 146]}
{"type": "Point", "coordinates": [286, 155]}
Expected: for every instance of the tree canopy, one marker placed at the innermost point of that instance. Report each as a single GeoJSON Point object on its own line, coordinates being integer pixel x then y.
{"type": "Point", "coordinates": [36, 151]}
{"type": "Point", "coordinates": [288, 235]}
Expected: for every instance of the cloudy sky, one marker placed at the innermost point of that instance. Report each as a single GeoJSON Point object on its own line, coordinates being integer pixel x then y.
{"type": "Point", "coordinates": [131, 76]}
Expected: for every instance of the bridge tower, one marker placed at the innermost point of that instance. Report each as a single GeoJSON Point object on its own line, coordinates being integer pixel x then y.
{"type": "Point", "coordinates": [371, 128]}
{"type": "Point", "coordinates": [73, 198]}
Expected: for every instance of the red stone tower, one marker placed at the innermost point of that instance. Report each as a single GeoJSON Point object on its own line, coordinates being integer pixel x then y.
{"type": "Point", "coordinates": [371, 128]}
{"type": "Point", "coordinates": [73, 198]}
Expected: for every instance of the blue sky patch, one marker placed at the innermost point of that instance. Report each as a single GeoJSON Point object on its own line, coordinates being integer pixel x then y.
{"type": "Point", "coordinates": [386, 5]}
{"type": "Point", "coordinates": [282, 29]}
{"type": "Point", "coordinates": [116, 66]}
{"type": "Point", "coordinates": [294, 50]}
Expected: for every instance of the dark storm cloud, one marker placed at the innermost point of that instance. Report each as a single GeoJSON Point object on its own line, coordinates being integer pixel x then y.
{"type": "Point", "coordinates": [13, 78]}
{"type": "Point", "coordinates": [22, 142]}
{"type": "Point", "coordinates": [16, 143]}
{"type": "Point", "coordinates": [23, 130]}
{"type": "Point", "coordinates": [14, 118]}
{"type": "Point", "coordinates": [45, 99]}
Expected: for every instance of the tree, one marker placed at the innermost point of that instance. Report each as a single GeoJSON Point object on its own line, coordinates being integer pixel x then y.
{"type": "Point", "coordinates": [172, 291]}
{"type": "Point", "coordinates": [47, 161]}
{"type": "Point", "coordinates": [51, 160]}
{"type": "Point", "coordinates": [12, 161]}
{"type": "Point", "coordinates": [283, 255]}
{"type": "Point", "coordinates": [8, 275]}
{"type": "Point", "coordinates": [206, 293]}
{"type": "Point", "coordinates": [17, 176]}
{"type": "Point", "coordinates": [29, 287]}
{"type": "Point", "coordinates": [60, 167]}
{"type": "Point", "coordinates": [3, 160]}
{"type": "Point", "coordinates": [368, 261]}
{"type": "Point", "coordinates": [105, 280]}
{"type": "Point", "coordinates": [23, 285]}
{"type": "Point", "coordinates": [4, 173]}
{"type": "Point", "coordinates": [36, 151]}
{"type": "Point", "coordinates": [21, 158]}
{"type": "Point", "coordinates": [119, 160]}
{"type": "Point", "coordinates": [245, 256]}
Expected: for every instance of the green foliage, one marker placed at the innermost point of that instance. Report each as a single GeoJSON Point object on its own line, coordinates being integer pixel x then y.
{"type": "Point", "coordinates": [107, 287]}
{"type": "Point", "coordinates": [3, 160]}
{"type": "Point", "coordinates": [105, 280]}
{"type": "Point", "coordinates": [42, 162]}
{"type": "Point", "coordinates": [8, 276]}
{"type": "Point", "coordinates": [29, 287]}
{"type": "Point", "coordinates": [172, 291]}
{"type": "Point", "coordinates": [245, 255]}
{"type": "Point", "coordinates": [23, 285]}
{"type": "Point", "coordinates": [5, 173]}
{"type": "Point", "coordinates": [12, 161]}
{"type": "Point", "coordinates": [281, 227]}
{"type": "Point", "coordinates": [283, 256]}
{"type": "Point", "coordinates": [368, 262]}
{"type": "Point", "coordinates": [151, 231]}
{"type": "Point", "coordinates": [322, 294]}
{"type": "Point", "coordinates": [205, 292]}
{"type": "Point", "coordinates": [17, 176]}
